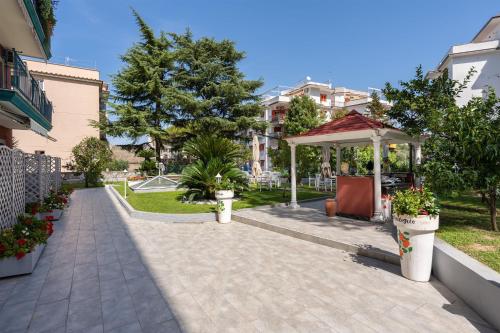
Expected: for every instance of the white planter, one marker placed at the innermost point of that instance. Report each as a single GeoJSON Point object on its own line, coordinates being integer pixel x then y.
{"type": "Point", "coordinates": [11, 266]}
{"type": "Point", "coordinates": [53, 215]}
{"type": "Point", "coordinates": [224, 205]}
{"type": "Point", "coordinates": [416, 242]}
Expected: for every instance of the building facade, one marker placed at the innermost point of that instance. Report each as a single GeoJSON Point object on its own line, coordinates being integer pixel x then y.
{"type": "Point", "coordinates": [78, 95]}
{"type": "Point", "coordinates": [329, 100]}
{"type": "Point", "coordinates": [483, 54]}
{"type": "Point", "coordinates": [23, 103]}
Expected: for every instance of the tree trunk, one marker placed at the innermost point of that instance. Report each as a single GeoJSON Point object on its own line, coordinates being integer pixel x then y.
{"type": "Point", "coordinates": [493, 209]}
{"type": "Point", "coordinates": [86, 180]}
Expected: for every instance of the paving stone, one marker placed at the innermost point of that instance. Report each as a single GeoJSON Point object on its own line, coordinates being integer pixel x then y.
{"type": "Point", "coordinates": [49, 317]}
{"type": "Point", "coordinates": [84, 314]}
{"type": "Point", "coordinates": [118, 312]}
{"type": "Point", "coordinates": [16, 316]}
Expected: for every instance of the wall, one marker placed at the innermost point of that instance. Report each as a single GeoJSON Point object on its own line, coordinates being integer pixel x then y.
{"type": "Point", "coordinates": [475, 283]}
{"type": "Point", "coordinates": [487, 68]}
{"type": "Point", "coordinates": [75, 102]}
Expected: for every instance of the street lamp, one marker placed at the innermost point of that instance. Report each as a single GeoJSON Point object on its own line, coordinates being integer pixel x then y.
{"type": "Point", "coordinates": [125, 184]}
{"type": "Point", "coordinates": [218, 178]}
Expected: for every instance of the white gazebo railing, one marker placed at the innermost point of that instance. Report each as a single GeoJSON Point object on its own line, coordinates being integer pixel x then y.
{"type": "Point", "coordinates": [25, 178]}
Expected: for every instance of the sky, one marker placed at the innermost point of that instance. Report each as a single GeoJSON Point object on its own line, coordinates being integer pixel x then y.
{"type": "Point", "coordinates": [351, 43]}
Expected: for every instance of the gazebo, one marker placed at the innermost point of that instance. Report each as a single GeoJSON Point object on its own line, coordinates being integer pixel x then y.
{"type": "Point", "coordinates": [353, 130]}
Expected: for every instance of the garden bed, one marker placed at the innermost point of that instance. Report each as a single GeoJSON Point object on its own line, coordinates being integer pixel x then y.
{"type": "Point", "coordinates": [171, 202]}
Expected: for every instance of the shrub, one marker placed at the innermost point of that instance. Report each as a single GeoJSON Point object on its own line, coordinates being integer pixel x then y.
{"type": "Point", "coordinates": [214, 155]}
{"type": "Point", "coordinates": [90, 157]}
{"type": "Point", "coordinates": [415, 202]}
{"type": "Point", "coordinates": [117, 165]}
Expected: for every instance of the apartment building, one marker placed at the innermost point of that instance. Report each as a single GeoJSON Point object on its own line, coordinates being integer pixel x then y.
{"type": "Point", "coordinates": [483, 54]}
{"type": "Point", "coordinates": [23, 103]}
{"type": "Point", "coordinates": [78, 95]}
{"type": "Point", "coordinates": [329, 100]}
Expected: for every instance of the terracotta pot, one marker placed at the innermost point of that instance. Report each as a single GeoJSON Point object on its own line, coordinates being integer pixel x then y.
{"type": "Point", "coordinates": [330, 207]}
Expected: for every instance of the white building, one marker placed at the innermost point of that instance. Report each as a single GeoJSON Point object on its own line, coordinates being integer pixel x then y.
{"type": "Point", "coordinates": [328, 99]}
{"type": "Point", "coordinates": [482, 53]}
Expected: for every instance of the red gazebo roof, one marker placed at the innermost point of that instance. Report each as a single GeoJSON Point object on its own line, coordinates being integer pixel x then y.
{"type": "Point", "coordinates": [353, 121]}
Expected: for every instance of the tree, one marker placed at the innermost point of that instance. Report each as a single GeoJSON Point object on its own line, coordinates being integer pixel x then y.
{"type": "Point", "coordinates": [302, 115]}
{"type": "Point", "coordinates": [466, 154]}
{"type": "Point", "coordinates": [145, 96]}
{"type": "Point", "coordinates": [216, 97]}
{"type": "Point", "coordinates": [90, 157]}
{"type": "Point", "coordinates": [419, 105]}
{"type": "Point", "coordinates": [214, 155]}
{"type": "Point", "coordinates": [463, 148]}
{"type": "Point", "coordinates": [376, 108]}
{"type": "Point", "coordinates": [148, 165]}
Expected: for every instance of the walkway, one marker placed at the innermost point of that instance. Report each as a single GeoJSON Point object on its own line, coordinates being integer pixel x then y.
{"type": "Point", "coordinates": [309, 222]}
{"type": "Point", "coordinates": [102, 271]}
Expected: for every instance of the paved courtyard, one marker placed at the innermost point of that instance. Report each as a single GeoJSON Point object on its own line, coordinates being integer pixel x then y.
{"type": "Point", "coordinates": [102, 271]}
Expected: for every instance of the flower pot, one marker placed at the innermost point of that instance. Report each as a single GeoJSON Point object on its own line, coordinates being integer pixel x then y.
{"type": "Point", "coordinates": [11, 266]}
{"type": "Point", "coordinates": [330, 207]}
{"type": "Point", "coordinates": [416, 243]}
{"type": "Point", "coordinates": [224, 205]}
{"type": "Point", "coordinates": [52, 215]}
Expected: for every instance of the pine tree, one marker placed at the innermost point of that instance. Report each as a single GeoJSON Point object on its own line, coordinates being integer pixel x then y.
{"type": "Point", "coordinates": [376, 108]}
{"type": "Point", "coordinates": [144, 90]}
{"type": "Point", "coordinates": [216, 97]}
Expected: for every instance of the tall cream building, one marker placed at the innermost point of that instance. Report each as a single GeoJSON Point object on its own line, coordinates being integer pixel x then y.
{"type": "Point", "coordinates": [77, 96]}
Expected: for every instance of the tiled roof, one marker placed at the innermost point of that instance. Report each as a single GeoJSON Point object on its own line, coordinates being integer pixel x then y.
{"type": "Point", "coordinates": [353, 121]}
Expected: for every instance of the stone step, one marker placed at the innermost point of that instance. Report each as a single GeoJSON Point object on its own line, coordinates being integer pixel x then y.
{"type": "Point", "coordinates": [351, 248]}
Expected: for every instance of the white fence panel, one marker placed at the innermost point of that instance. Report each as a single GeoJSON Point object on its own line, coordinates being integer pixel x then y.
{"type": "Point", "coordinates": [12, 200]}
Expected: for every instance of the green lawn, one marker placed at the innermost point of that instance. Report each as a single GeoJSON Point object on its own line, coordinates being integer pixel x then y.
{"type": "Point", "coordinates": [464, 223]}
{"type": "Point", "coordinates": [170, 202]}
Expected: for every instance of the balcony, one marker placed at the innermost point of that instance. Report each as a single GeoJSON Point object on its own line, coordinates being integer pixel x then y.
{"type": "Point", "coordinates": [21, 93]}
{"type": "Point", "coordinates": [24, 28]}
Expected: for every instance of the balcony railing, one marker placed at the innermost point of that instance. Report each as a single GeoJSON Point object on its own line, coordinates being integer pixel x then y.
{"type": "Point", "coordinates": [280, 119]}
{"type": "Point", "coordinates": [15, 76]}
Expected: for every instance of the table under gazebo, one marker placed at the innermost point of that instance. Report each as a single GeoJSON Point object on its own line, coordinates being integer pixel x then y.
{"type": "Point", "coordinates": [353, 130]}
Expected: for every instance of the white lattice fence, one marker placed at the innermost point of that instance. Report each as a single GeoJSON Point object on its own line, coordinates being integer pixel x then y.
{"type": "Point", "coordinates": [12, 199]}
{"type": "Point", "coordinates": [32, 177]}
{"type": "Point", "coordinates": [55, 173]}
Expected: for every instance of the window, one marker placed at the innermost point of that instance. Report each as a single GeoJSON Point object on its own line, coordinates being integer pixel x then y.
{"type": "Point", "coordinates": [261, 147]}
{"type": "Point", "coordinates": [277, 129]}
{"type": "Point", "coordinates": [40, 152]}
{"type": "Point", "coordinates": [322, 98]}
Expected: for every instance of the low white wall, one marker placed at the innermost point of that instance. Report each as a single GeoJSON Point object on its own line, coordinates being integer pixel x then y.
{"type": "Point", "coordinates": [475, 283]}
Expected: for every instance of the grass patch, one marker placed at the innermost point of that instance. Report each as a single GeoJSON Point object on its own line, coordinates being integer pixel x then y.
{"type": "Point", "coordinates": [170, 202]}
{"type": "Point", "coordinates": [464, 223]}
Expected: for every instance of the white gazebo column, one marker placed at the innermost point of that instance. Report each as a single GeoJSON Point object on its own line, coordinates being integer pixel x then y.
{"type": "Point", "coordinates": [338, 163]}
{"type": "Point", "coordinates": [293, 180]}
{"type": "Point", "coordinates": [377, 214]}
{"type": "Point", "coordinates": [418, 161]}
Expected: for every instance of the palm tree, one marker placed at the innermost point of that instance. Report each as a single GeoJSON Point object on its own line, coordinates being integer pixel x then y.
{"type": "Point", "coordinates": [214, 155]}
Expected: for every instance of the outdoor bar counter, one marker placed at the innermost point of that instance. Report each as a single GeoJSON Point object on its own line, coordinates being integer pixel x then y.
{"type": "Point", "coordinates": [355, 196]}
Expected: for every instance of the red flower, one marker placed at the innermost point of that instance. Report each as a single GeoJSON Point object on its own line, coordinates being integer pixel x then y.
{"type": "Point", "coordinates": [20, 254]}
{"type": "Point", "coordinates": [21, 242]}
{"type": "Point", "coordinates": [2, 248]}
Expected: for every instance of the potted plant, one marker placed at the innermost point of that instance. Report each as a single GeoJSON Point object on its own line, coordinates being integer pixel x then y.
{"type": "Point", "coordinates": [224, 193]}
{"type": "Point", "coordinates": [22, 244]}
{"type": "Point", "coordinates": [416, 215]}
{"type": "Point", "coordinates": [52, 207]}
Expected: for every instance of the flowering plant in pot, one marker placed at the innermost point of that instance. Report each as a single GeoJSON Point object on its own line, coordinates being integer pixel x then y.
{"type": "Point", "coordinates": [224, 193]}
{"type": "Point", "coordinates": [52, 207]}
{"type": "Point", "coordinates": [21, 244]}
{"type": "Point", "coordinates": [416, 215]}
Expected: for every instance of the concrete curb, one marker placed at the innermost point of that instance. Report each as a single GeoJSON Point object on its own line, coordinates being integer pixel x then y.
{"type": "Point", "coordinates": [475, 283]}
{"type": "Point", "coordinates": [366, 252]}
{"type": "Point", "coordinates": [168, 218]}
